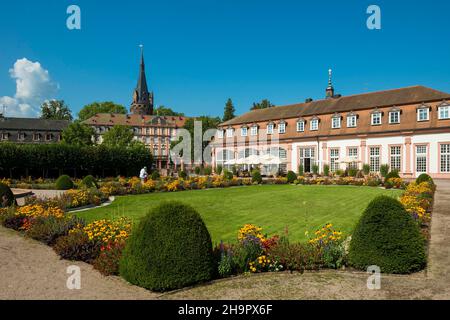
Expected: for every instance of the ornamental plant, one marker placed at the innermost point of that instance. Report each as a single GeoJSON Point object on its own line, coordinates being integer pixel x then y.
{"type": "Point", "coordinates": [291, 176]}
{"type": "Point", "coordinates": [64, 183]}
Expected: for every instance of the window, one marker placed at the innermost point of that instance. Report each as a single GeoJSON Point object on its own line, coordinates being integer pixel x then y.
{"type": "Point", "coordinates": [423, 114]}
{"type": "Point", "coordinates": [220, 134]}
{"type": "Point", "coordinates": [351, 121]}
{"type": "Point", "coordinates": [396, 158]}
{"type": "Point", "coordinates": [421, 159]}
{"type": "Point", "coordinates": [445, 157]}
{"type": "Point", "coordinates": [394, 117]}
{"type": "Point", "coordinates": [36, 136]}
{"type": "Point", "coordinates": [21, 136]}
{"type": "Point", "coordinates": [270, 128]}
{"type": "Point", "coordinates": [300, 126]}
{"type": "Point", "coordinates": [374, 159]}
{"type": "Point", "coordinates": [5, 136]}
{"type": "Point", "coordinates": [254, 131]}
{"type": "Point", "coordinates": [336, 122]}
{"type": "Point", "coordinates": [155, 151]}
{"type": "Point", "coordinates": [376, 118]}
{"type": "Point", "coordinates": [314, 124]}
{"type": "Point", "coordinates": [444, 112]}
{"type": "Point", "coordinates": [334, 160]}
{"type": "Point", "coordinates": [244, 131]}
{"type": "Point", "coordinates": [282, 127]}
{"type": "Point", "coordinates": [48, 137]}
{"type": "Point", "coordinates": [353, 153]}
{"type": "Point", "coordinates": [230, 132]}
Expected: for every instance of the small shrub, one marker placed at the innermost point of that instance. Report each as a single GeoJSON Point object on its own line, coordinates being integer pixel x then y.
{"type": "Point", "coordinates": [424, 178]}
{"type": "Point", "coordinates": [225, 267]}
{"type": "Point", "coordinates": [49, 229]}
{"type": "Point", "coordinates": [256, 177]}
{"type": "Point", "coordinates": [183, 175]}
{"type": "Point", "coordinates": [64, 183]}
{"type": "Point", "coordinates": [291, 176]}
{"type": "Point", "coordinates": [340, 172]}
{"type": "Point", "coordinates": [170, 249]}
{"type": "Point", "coordinates": [77, 246]}
{"type": "Point", "coordinates": [387, 236]}
{"type": "Point", "coordinates": [326, 170]}
{"type": "Point", "coordinates": [197, 170]}
{"type": "Point", "coordinates": [315, 169]}
{"type": "Point", "coordinates": [155, 175]}
{"type": "Point", "coordinates": [219, 169]}
{"type": "Point", "coordinates": [108, 260]}
{"type": "Point", "coordinates": [228, 175]}
{"type": "Point", "coordinates": [384, 170]}
{"type": "Point", "coordinates": [301, 170]}
{"type": "Point", "coordinates": [207, 171]}
{"type": "Point", "coordinates": [392, 174]}
{"type": "Point", "coordinates": [6, 196]}
{"type": "Point", "coordinates": [352, 172]}
{"type": "Point", "coordinates": [89, 182]}
{"type": "Point", "coordinates": [366, 169]}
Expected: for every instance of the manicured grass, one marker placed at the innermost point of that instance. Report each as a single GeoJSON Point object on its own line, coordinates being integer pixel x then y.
{"type": "Point", "coordinates": [273, 207]}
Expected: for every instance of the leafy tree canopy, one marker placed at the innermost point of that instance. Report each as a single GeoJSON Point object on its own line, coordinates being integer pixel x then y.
{"type": "Point", "coordinates": [92, 109]}
{"type": "Point", "coordinates": [78, 134]}
{"type": "Point", "coordinates": [165, 111]}
{"type": "Point", "coordinates": [121, 136]}
{"type": "Point", "coordinates": [56, 110]}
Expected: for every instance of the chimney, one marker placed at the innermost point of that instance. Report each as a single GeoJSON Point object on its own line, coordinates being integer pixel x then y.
{"type": "Point", "coordinates": [308, 100]}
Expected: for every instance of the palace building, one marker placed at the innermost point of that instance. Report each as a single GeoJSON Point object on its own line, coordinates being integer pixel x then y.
{"type": "Point", "coordinates": [155, 131]}
{"type": "Point", "coordinates": [407, 128]}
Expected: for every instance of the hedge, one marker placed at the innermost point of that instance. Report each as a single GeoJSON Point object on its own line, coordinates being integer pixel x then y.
{"type": "Point", "coordinates": [52, 160]}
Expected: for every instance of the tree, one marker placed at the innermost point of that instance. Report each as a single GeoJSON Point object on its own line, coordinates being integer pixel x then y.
{"type": "Point", "coordinates": [228, 113]}
{"type": "Point", "coordinates": [165, 111]}
{"type": "Point", "coordinates": [92, 109]}
{"type": "Point", "coordinates": [262, 105]}
{"type": "Point", "coordinates": [78, 134]}
{"type": "Point", "coordinates": [121, 136]}
{"type": "Point", "coordinates": [56, 110]}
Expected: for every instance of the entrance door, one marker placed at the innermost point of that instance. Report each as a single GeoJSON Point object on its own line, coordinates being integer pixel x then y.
{"type": "Point", "coordinates": [307, 166]}
{"type": "Point", "coordinates": [421, 160]}
{"type": "Point", "coordinates": [307, 158]}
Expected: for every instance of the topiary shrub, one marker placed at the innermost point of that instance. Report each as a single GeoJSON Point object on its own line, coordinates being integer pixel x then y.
{"type": "Point", "coordinates": [384, 170]}
{"type": "Point", "coordinates": [392, 174]}
{"type": "Point", "coordinates": [424, 178]}
{"type": "Point", "coordinates": [7, 198]}
{"type": "Point", "coordinates": [256, 176]}
{"type": "Point", "coordinates": [207, 171]}
{"type": "Point", "coordinates": [291, 176]}
{"type": "Point", "coordinates": [170, 249]}
{"type": "Point", "coordinates": [301, 170]}
{"type": "Point", "coordinates": [197, 170]}
{"type": "Point", "coordinates": [89, 182]}
{"type": "Point", "coordinates": [183, 175]}
{"type": "Point", "coordinates": [326, 170]}
{"type": "Point", "coordinates": [387, 236]}
{"type": "Point", "coordinates": [156, 175]}
{"type": "Point", "coordinates": [366, 169]}
{"type": "Point", "coordinates": [64, 183]}
{"type": "Point", "coordinates": [228, 175]}
{"type": "Point", "coordinates": [219, 169]}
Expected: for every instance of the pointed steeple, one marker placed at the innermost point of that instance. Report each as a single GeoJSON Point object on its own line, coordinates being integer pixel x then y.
{"type": "Point", "coordinates": [142, 99]}
{"type": "Point", "coordinates": [330, 88]}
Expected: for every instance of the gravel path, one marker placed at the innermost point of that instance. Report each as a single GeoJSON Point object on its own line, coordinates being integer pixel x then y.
{"type": "Point", "coordinates": [30, 270]}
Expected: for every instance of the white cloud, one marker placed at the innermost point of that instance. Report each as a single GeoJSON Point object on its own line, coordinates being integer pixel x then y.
{"type": "Point", "coordinates": [33, 86]}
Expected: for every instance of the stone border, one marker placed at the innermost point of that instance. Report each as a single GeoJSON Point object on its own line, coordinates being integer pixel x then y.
{"type": "Point", "coordinates": [91, 206]}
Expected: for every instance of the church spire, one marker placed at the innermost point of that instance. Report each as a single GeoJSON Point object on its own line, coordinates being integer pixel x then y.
{"type": "Point", "coordinates": [330, 88]}
{"type": "Point", "coordinates": [142, 99]}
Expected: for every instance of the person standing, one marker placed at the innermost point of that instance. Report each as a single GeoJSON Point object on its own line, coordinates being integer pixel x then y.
{"type": "Point", "coordinates": [143, 174]}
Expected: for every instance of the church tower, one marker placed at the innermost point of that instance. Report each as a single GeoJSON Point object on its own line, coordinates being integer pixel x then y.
{"type": "Point", "coordinates": [330, 89]}
{"type": "Point", "coordinates": [142, 99]}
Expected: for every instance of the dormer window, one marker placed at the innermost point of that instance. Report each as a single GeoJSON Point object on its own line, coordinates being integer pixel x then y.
{"type": "Point", "coordinates": [394, 116]}
{"type": "Point", "coordinates": [254, 130]}
{"type": "Point", "coordinates": [282, 127]}
{"type": "Point", "coordinates": [220, 134]}
{"type": "Point", "coordinates": [300, 125]}
{"type": "Point", "coordinates": [336, 121]}
{"type": "Point", "coordinates": [444, 111]}
{"type": "Point", "coordinates": [230, 132]}
{"type": "Point", "coordinates": [5, 136]}
{"type": "Point", "coordinates": [423, 113]}
{"type": "Point", "coordinates": [376, 118]}
{"type": "Point", "coordinates": [36, 136]}
{"type": "Point", "coordinates": [244, 131]}
{"type": "Point", "coordinates": [314, 126]}
{"type": "Point", "coordinates": [351, 120]}
{"type": "Point", "coordinates": [270, 127]}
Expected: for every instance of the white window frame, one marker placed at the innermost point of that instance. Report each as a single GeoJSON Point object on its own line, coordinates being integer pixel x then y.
{"type": "Point", "coordinates": [421, 158]}
{"type": "Point", "coordinates": [395, 161]}
{"type": "Point", "coordinates": [220, 134]}
{"type": "Point", "coordinates": [373, 117]}
{"type": "Point", "coordinates": [419, 113]}
{"type": "Point", "coordinates": [282, 127]}
{"type": "Point", "coordinates": [300, 126]}
{"type": "Point", "coordinates": [353, 152]}
{"type": "Point", "coordinates": [270, 127]}
{"type": "Point", "coordinates": [230, 133]}
{"type": "Point", "coordinates": [336, 122]}
{"type": "Point", "coordinates": [314, 125]}
{"type": "Point", "coordinates": [244, 131]}
{"type": "Point", "coordinates": [444, 110]}
{"type": "Point", "coordinates": [254, 131]}
{"type": "Point", "coordinates": [391, 114]}
{"type": "Point", "coordinates": [5, 136]}
{"type": "Point", "coordinates": [351, 121]}
{"type": "Point", "coordinates": [334, 159]}
{"type": "Point", "coordinates": [444, 161]}
{"type": "Point", "coordinates": [375, 158]}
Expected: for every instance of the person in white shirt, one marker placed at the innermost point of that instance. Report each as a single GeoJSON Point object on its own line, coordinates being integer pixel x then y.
{"type": "Point", "coordinates": [143, 174]}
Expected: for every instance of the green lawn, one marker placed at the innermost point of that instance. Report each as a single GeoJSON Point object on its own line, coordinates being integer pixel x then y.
{"type": "Point", "coordinates": [273, 207]}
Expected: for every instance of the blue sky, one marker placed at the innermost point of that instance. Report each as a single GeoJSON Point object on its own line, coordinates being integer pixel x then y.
{"type": "Point", "coordinates": [201, 52]}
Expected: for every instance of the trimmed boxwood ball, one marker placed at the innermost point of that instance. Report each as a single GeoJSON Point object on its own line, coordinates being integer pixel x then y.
{"type": "Point", "coordinates": [89, 182]}
{"type": "Point", "coordinates": [6, 196]}
{"type": "Point", "coordinates": [424, 178]}
{"type": "Point", "coordinates": [256, 176]}
{"type": "Point", "coordinates": [170, 249]}
{"type": "Point", "coordinates": [387, 236]}
{"type": "Point", "coordinates": [64, 183]}
{"type": "Point", "coordinates": [291, 176]}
